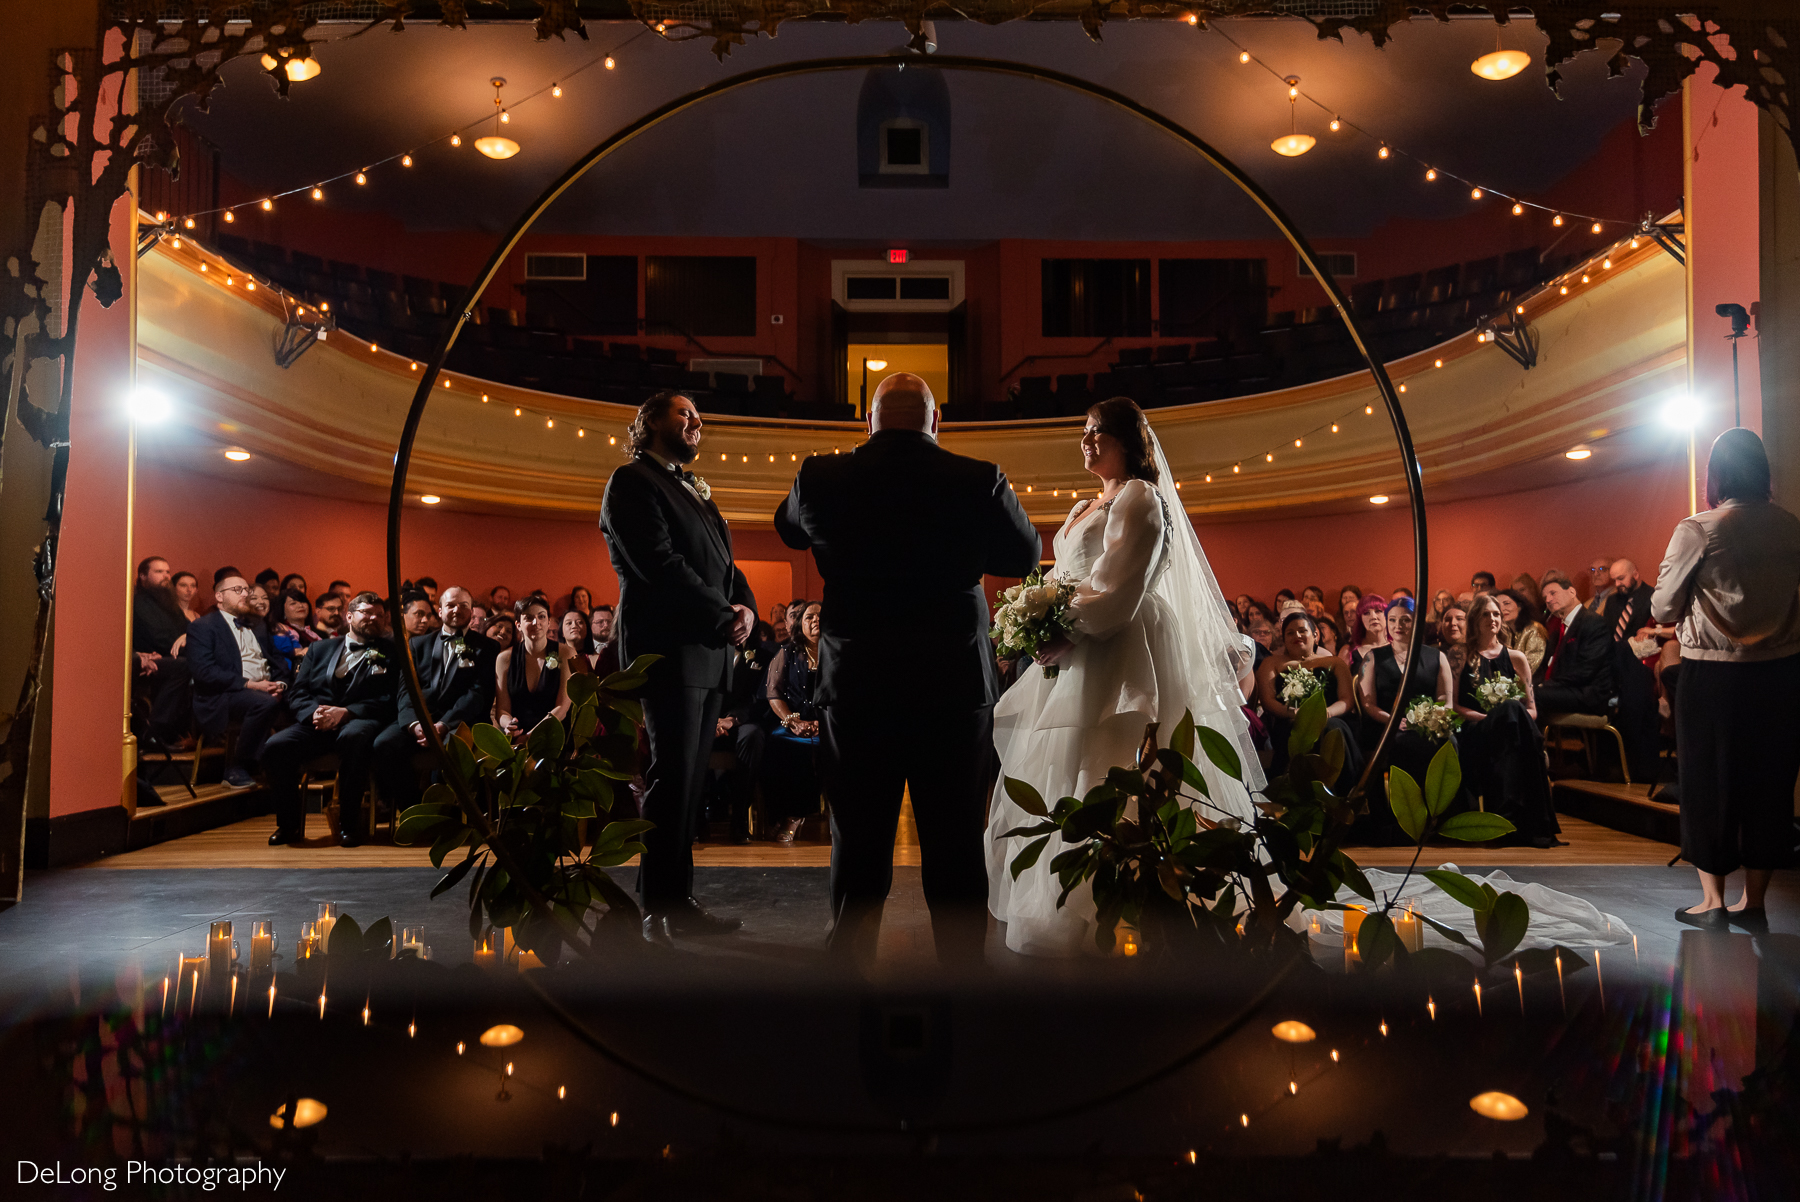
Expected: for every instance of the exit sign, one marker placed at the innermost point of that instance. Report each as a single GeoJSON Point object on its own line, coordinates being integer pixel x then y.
{"type": "Point", "coordinates": [896, 256]}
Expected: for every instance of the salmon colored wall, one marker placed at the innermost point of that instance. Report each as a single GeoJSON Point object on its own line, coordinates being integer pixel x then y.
{"type": "Point", "coordinates": [200, 523]}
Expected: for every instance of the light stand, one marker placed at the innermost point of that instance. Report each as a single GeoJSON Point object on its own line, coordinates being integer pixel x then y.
{"type": "Point", "coordinates": [1740, 326]}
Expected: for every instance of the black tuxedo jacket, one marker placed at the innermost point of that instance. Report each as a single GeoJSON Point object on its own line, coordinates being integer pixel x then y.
{"type": "Point", "coordinates": [218, 668]}
{"type": "Point", "coordinates": [368, 691]}
{"type": "Point", "coordinates": [1583, 659]}
{"type": "Point", "coordinates": [677, 580]}
{"type": "Point", "coordinates": [1639, 601]}
{"type": "Point", "coordinates": [456, 696]}
{"type": "Point", "coordinates": [903, 531]}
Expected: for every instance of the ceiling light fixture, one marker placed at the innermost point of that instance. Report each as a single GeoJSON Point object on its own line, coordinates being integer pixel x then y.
{"type": "Point", "coordinates": [298, 70]}
{"type": "Point", "coordinates": [1293, 144]}
{"type": "Point", "coordinates": [1378, 499]}
{"type": "Point", "coordinates": [1578, 453]}
{"type": "Point", "coordinates": [237, 454]}
{"type": "Point", "coordinates": [495, 146]}
{"type": "Point", "coordinates": [430, 499]}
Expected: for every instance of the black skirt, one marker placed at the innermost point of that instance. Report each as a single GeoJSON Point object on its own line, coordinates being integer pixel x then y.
{"type": "Point", "coordinates": [1737, 731]}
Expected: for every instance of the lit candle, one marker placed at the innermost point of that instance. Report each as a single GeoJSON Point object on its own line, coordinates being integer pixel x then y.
{"type": "Point", "coordinates": [328, 916]}
{"type": "Point", "coordinates": [310, 943]}
{"type": "Point", "coordinates": [218, 951]}
{"type": "Point", "coordinates": [412, 940]}
{"type": "Point", "coordinates": [487, 954]}
{"type": "Point", "coordinates": [262, 946]}
{"type": "Point", "coordinates": [1409, 930]}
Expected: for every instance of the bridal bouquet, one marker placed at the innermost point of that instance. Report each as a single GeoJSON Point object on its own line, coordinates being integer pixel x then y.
{"type": "Point", "coordinates": [1430, 719]}
{"type": "Point", "coordinates": [1031, 614]}
{"type": "Point", "coordinates": [1297, 684]}
{"type": "Point", "coordinates": [1496, 691]}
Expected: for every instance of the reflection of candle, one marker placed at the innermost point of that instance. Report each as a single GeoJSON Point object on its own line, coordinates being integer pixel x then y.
{"type": "Point", "coordinates": [1430, 1008]}
{"type": "Point", "coordinates": [1478, 998]}
{"type": "Point", "coordinates": [271, 999]}
{"type": "Point", "coordinates": [1560, 992]}
{"type": "Point", "coordinates": [262, 946]}
{"type": "Point", "coordinates": [1353, 920]}
{"type": "Point", "coordinates": [1519, 978]}
{"type": "Point", "coordinates": [1409, 930]}
{"type": "Point", "coordinates": [1599, 980]}
{"type": "Point", "coordinates": [232, 1007]}
{"type": "Point", "coordinates": [165, 1001]}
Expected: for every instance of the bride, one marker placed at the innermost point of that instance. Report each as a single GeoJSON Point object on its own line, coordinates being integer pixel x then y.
{"type": "Point", "coordinates": [1152, 638]}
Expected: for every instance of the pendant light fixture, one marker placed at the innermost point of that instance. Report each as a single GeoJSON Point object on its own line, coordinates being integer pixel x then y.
{"type": "Point", "coordinates": [298, 70]}
{"type": "Point", "coordinates": [1293, 144]}
{"type": "Point", "coordinates": [1501, 64]}
{"type": "Point", "coordinates": [495, 146]}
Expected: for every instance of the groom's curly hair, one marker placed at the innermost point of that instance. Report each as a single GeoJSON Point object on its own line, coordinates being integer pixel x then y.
{"type": "Point", "coordinates": [1120, 417]}
{"type": "Point", "coordinates": [642, 433]}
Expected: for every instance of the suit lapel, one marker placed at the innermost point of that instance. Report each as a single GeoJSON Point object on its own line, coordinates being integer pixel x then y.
{"type": "Point", "coordinates": [709, 514]}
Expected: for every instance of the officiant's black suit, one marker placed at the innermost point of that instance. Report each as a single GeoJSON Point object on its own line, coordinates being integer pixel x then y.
{"type": "Point", "coordinates": [903, 531]}
{"type": "Point", "coordinates": [368, 691]}
{"type": "Point", "coordinates": [677, 584]}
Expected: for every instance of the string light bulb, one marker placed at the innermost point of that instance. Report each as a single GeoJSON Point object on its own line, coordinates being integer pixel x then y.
{"type": "Point", "coordinates": [1209, 477]}
{"type": "Point", "coordinates": [362, 178]}
{"type": "Point", "coordinates": [1556, 220]}
{"type": "Point", "coordinates": [1606, 263]}
{"type": "Point", "coordinates": [456, 139]}
{"type": "Point", "coordinates": [1518, 210]}
{"type": "Point", "coordinates": [1243, 56]}
{"type": "Point", "coordinates": [1596, 228]}
{"type": "Point", "coordinates": [406, 160]}
{"type": "Point", "coordinates": [610, 64]}
{"type": "Point", "coordinates": [318, 193]}
{"type": "Point", "coordinates": [268, 206]}
{"type": "Point", "coordinates": [1431, 174]}
{"type": "Point", "coordinates": [1474, 193]}
{"type": "Point", "coordinates": [189, 224]}
{"type": "Point", "coordinates": [230, 216]}
{"type": "Point", "coordinates": [1383, 152]}
{"type": "Point", "coordinates": [494, 146]}
{"type": "Point", "coordinates": [1335, 125]}
{"type": "Point", "coordinates": [556, 90]}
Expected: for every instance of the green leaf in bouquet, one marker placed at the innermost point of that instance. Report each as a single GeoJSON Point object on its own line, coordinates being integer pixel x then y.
{"type": "Point", "coordinates": [1448, 932]}
{"type": "Point", "coordinates": [1475, 826]}
{"type": "Point", "coordinates": [1407, 803]}
{"type": "Point", "coordinates": [1440, 964]}
{"type": "Point", "coordinates": [582, 688]}
{"type": "Point", "coordinates": [1331, 753]}
{"type": "Point", "coordinates": [454, 875]}
{"type": "Point", "coordinates": [1442, 779]}
{"type": "Point", "coordinates": [346, 938]}
{"type": "Point", "coordinates": [1091, 819]}
{"type": "Point", "coordinates": [1035, 828]}
{"type": "Point", "coordinates": [1346, 870]}
{"type": "Point", "coordinates": [1026, 797]}
{"type": "Point", "coordinates": [1029, 856]}
{"type": "Point", "coordinates": [378, 939]}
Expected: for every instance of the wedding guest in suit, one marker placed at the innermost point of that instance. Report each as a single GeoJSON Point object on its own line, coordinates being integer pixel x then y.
{"type": "Point", "coordinates": [532, 676]}
{"type": "Point", "coordinates": [1391, 682]}
{"type": "Point", "coordinates": [158, 634]}
{"type": "Point", "coordinates": [1730, 583]}
{"type": "Point", "coordinates": [457, 670]}
{"type": "Point", "coordinates": [1627, 612]}
{"type": "Point", "coordinates": [237, 676]}
{"type": "Point", "coordinates": [1577, 673]}
{"type": "Point", "coordinates": [600, 624]}
{"type": "Point", "coordinates": [1525, 633]}
{"type": "Point", "coordinates": [417, 614]}
{"type": "Point", "coordinates": [328, 616]}
{"type": "Point", "coordinates": [681, 596]}
{"type": "Point", "coordinates": [342, 699]}
{"type": "Point", "coordinates": [743, 730]}
{"type": "Point", "coordinates": [1501, 746]}
{"type": "Point", "coordinates": [500, 600]}
{"type": "Point", "coordinates": [187, 594]}
{"type": "Point", "coordinates": [903, 531]}
{"type": "Point", "coordinates": [790, 775]}
{"type": "Point", "coordinates": [1599, 582]}
{"type": "Point", "coordinates": [1481, 582]}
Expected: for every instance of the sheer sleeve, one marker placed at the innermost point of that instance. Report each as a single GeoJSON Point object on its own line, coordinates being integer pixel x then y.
{"type": "Point", "coordinates": [776, 678]}
{"type": "Point", "coordinates": [1112, 592]}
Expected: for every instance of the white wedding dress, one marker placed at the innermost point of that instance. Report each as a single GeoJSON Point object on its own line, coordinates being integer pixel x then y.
{"type": "Point", "coordinates": [1153, 639]}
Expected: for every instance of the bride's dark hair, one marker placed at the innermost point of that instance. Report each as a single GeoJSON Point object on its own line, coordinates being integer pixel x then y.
{"type": "Point", "coordinates": [1120, 417]}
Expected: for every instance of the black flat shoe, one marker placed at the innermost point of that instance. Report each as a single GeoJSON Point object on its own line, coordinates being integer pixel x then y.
{"type": "Point", "coordinates": [349, 839]}
{"type": "Point", "coordinates": [1706, 920]}
{"type": "Point", "coordinates": [1756, 921]}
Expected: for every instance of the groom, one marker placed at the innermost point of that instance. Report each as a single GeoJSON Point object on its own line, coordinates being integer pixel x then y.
{"type": "Point", "coordinates": [682, 597]}
{"type": "Point", "coordinates": [903, 531]}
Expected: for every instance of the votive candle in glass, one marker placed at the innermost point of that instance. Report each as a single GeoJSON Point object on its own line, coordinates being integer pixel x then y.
{"type": "Point", "coordinates": [262, 945]}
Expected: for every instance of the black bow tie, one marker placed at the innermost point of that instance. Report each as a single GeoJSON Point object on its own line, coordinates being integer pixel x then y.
{"type": "Point", "coordinates": [245, 623]}
{"type": "Point", "coordinates": [683, 475]}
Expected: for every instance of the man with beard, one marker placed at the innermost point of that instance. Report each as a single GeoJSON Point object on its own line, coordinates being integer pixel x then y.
{"type": "Point", "coordinates": [158, 633]}
{"type": "Point", "coordinates": [681, 597]}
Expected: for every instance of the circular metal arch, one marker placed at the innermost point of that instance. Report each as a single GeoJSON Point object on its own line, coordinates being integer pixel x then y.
{"type": "Point", "coordinates": [817, 66]}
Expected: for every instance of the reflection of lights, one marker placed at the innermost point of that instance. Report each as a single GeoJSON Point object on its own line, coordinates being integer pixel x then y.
{"type": "Point", "coordinates": [307, 1113]}
{"type": "Point", "coordinates": [430, 499]}
{"type": "Point", "coordinates": [1292, 1031]}
{"type": "Point", "coordinates": [502, 1036]}
{"type": "Point", "coordinates": [877, 364]}
{"type": "Point", "coordinates": [1496, 1105]}
{"type": "Point", "coordinates": [298, 70]}
{"type": "Point", "coordinates": [1501, 64]}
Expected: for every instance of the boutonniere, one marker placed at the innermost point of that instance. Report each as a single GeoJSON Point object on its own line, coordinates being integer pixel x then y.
{"type": "Point", "coordinates": [703, 488]}
{"type": "Point", "coordinates": [551, 661]}
{"type": "Point", "coordinates": [376, 660]}
{"type": "Point", "coordinates": [460, 645]}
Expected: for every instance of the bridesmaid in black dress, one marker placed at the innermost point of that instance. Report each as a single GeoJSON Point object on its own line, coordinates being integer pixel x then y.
{"type": "Point", "coordinates": [533, 673]}
{"type": "Point", "coordinates": [1384, 677]}
{"type": "Point", "coordinates": [1502, 749]}
{"type": "Point", "coordinates": [1299, 645]}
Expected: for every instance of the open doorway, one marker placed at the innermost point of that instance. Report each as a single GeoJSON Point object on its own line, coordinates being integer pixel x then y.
{"type": "Point", "coordinates": [928, 360]}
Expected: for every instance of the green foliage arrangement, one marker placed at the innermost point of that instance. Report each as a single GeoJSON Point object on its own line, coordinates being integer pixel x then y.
{"type": "Point", "coordinates": [524, 814]}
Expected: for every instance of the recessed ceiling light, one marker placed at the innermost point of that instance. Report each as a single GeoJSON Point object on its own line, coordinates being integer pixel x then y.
{"type": "Point", "coordinates": [1578, 453]}
{"type": "Point", "coordinates": [1378, 499]}
{"type": "Point", "coordinates": [237, 454]}
{"type": "Point", "coordinates": [430, 499]}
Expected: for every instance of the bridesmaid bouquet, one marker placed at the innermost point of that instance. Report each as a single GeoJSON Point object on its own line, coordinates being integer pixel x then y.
{"type": "Point", "coordinates": [1030, 615]}
{"type": "Point", "coordinates": [1297, 684]}
{"type": "Point", "coordinates": [1431, 719]}
{"type": "Point", "coordinates": [1496, 691]}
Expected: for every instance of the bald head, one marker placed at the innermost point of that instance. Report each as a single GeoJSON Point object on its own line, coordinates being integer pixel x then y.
{"type": "Point", "coordinates": [903, 402]}
{"type": "Point", "coordinates": [1624, 574]}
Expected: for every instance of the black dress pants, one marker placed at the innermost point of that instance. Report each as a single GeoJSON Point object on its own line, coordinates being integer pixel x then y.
{"type": "Point", "coordinates": [735, 789]}
{"type": "Point", "coordinates": [170, 690]}
{"type": "Point", "coordinates": [256, 714]}
{"type": "Point", "coordinates": [288, 752]}
{"type": "Point", "coordinates": [869, 756]}
{"type": "Point", "coordinates": [679, 721]}
{"type": "Point", "coordinates": [1640, 725]}
{"type": "Point", "coordinates": [1735, 727]}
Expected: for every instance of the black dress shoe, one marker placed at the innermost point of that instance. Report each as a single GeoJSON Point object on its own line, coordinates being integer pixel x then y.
{"type": "Point", "coordinates": [281, 837]}
{"type": "Point", "coordinates": [1756, 920]}
{"type": "Point", "coordinates": [687, 917]}
{"type": "Point", "coordinates": [349, 838]}
{"type": "Point", "coordinates": [1706, 920]}
{"type": "Point", "coordinates": [658, 930]}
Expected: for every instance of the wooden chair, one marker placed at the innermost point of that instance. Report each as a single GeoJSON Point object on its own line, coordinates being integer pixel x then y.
{"type": "Point", "coordinates": [1586, 725]}
{"type": "Point", "coordinates": [225, 747]}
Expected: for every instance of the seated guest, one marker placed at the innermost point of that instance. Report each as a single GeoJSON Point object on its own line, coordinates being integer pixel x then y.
{"type": "Point", "coordinates": [158, 634]}
{"type": "Point", "coordinates": [268, 580]}
{"type": "Point", "coordinates": [1600, 582]}
{"type": "Point", "coordinates": [342, 699]}
{"type": "Point", "coordinates": [1626, 615]}
{"type": "Point", "coordinates": [790, 774]}
{"type": "Point", "coordinates": [1453, 636]}
{"type": "Point", "coordinates": [294, 580]}
{"type": "Point", "coordinates": [1502, 749]}
{"type": "Point", "coordinates": [220, 575]}
{"type": "Point", "coordinates": [416, 612]}
{"type": "Point", "coordinates": [1403, 591]}
{"type": "Point", "coordinates": [600, 624]}
{"type": "Point", "coordinates": [500, 600]}
{"type": "Point", "coordinates": [237, 676]}
{"type": "Point", "coordinates": [532, 676]}
{"type": "Point", "coordinates": [778, 622]}
{"type": "Point", "coordinates": [502, 631]}
{"type": "Point", "coordinates": [1523, 631]}
{"type": "Point", "coordinates": [1481, 582]}
{"type": "Point", "coordinates": [260, 603]}
{"type": "Point", "coordinates": [456, 667]}
{"type": "Point", "coordinates": [1527, 584]}
{"type": "Point", "coordinates": [429, 586]}
{"type": "Point", "coordinates": [341, 588]}
{"type": "Point", "coordinates": [1299, 646]}
{"type": "Point", "coordinates": [581, 599]}
{"type": "Point", "coordinates": [1259, 627]}
{"type": "Point", "coordinates": [1349, 601]}
{"type": "Point", "coordinates": [743, 729]}
{"type": "Point", "coordinates": [187, 593]}
{"type": "Point", "coordinates": [478, 618]}
{"type": "Point", "coordinates": [1284, 597]}
{"type": "Point", "coordinates": [1390, 683]}
{"type": "Point", "coordinates": [1577, 672]}
{"type": "Point", "coordinates": [576, 637]}
{"type": "Point", "coordinates": [291, 631]}
{"type": "Point", "coordinates": [328, 616]}
{"type": "Point", "coordinates": [1312, 600]}
{"type": "Point", "coordinates": [1370, 632]}
{"type": "Point", "coordinates": [1440, 601]}
{"type": "Point", "coordinates": [1330, 637]}
{"type": "Point", "coordinates": [1240, 604]}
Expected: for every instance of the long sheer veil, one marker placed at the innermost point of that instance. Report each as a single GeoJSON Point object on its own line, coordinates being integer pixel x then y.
{"type": "Point", "coordinates": [1213, 653]}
